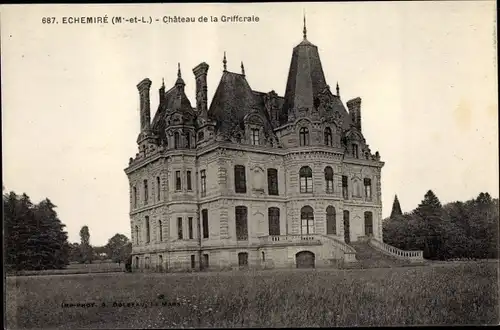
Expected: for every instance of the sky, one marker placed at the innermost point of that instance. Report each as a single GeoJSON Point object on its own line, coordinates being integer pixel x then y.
{"type": "Point", "coordinates": [426, 73]}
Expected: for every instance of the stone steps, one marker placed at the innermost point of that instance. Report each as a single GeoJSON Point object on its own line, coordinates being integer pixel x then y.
{"type": "Point", "coordinates": [369, 257]}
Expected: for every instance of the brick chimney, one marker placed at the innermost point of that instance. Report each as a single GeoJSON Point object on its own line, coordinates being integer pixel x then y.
{"type": "Point", "coordinates": [145, 110]}
{"type": "Point", "coordinates": [200, 73]}
{"type": "Point", "coordinates": [354, 107]}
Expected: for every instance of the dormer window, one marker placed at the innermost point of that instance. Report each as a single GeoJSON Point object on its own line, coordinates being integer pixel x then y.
{"type": "Point", "coordinates": [304, 136]}
{"type": "Point", "coordinates": [176, 140]}
{"type": "Point", "coordinates": [255, 137]}
{"type": "Point", "coordinates": [328, 137]}
{"type": "Point", "coordinates": [355, 150]}
{"type": "Point", "coordinates": [188, 140]}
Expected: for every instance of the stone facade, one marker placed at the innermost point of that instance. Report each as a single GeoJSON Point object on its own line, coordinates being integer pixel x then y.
{"type": "Point", "coordinates": [255, 180]}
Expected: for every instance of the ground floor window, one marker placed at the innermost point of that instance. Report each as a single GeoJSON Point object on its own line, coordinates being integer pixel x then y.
{"type": "Point", "coordinates": [242, 259]}
{"type": "Point", "coordinates": [205, 261]}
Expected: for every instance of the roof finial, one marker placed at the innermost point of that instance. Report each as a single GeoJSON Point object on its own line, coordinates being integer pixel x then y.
{"type": "Point", "coordinates": [338, 89]}
{"type": "Point", "coordinates": [178, 70]}
{"type": "Point", "coordinates": [305, 29]}
{"type": "Point", "coordinates": [242, 69]}
{"type": "Point", "coordinates": [162, 82]}
{"type": "Point", "coordinates": [224, 61]}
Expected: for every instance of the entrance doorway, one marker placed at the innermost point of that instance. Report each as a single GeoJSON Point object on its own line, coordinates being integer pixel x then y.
{"type": "Point", "coordinates": [305, 259]}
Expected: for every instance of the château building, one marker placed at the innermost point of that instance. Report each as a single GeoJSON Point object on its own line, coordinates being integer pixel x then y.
{"type": "Point", "coordinates": [253, 178]}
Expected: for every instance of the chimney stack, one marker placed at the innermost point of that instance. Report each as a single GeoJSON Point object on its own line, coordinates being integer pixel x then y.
{"type": "Point", "coordinates": [145, 110]}
{"type": "Point", "coordinates": [354, 107]}
{"type": "Point", "coordinates": [200, 73]}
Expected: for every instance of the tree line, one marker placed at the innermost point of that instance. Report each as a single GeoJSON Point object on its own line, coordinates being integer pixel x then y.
{"type": "Point", "coordinates": [117, 249]}
{"type": "Point", "coordinates": [457, 230]}
{"type": "Point", "coordinates": [35, 238]}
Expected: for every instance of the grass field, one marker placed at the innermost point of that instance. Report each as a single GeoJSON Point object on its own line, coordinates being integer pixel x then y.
{"type": "Point", "coordinates": [464, 293]}
{"type": "Point", "coordinates": [77, 268]}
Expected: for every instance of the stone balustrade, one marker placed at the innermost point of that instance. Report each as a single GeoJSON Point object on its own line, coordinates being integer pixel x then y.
{"type": "Point", "coordinates": [280, 239]}
{"type": "Point", "coordinates": [398, 253]}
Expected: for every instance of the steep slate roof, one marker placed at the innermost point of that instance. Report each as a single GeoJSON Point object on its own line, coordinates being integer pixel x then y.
{"type": "Point", "coordinates": [233, 99]}
{"type": "Point", "coordinates": [305, 77]}
{"type": "Point", "coordinates": [175, 100]}
{"type": "Point", "coordinates": [261, 104]}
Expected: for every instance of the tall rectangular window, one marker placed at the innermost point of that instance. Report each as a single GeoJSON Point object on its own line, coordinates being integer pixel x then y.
{"type": "Point", "coordinates": [240, 185]}
{"type": "Point", "coordinates": [148, 229]}
{"type": "Point", "coordinates": [158, 188]}
{"type": "Point", "coordinates": [368, 188]}
{"type": "Point", "coordinates": [134, 197]}
{"type": "Point", "coordinates": [272, 181]}
{"type": "Point", "coordinates": [177, 140]}
{"type": "Point", "coordinates": [160, 230]}
{"type": "Point", "coordinates": [345, 192]}
{"type": "Point", "coordinates": [178, 180]}
{"type": "Point", "coordinates": [179, 228]}
{"type": "Point", "coordinates": [188, 140]}
{"type": "Point", "coordinates": [188, 180]}
{"type": "Point", "coordinates": [190, 227]}
{"type": "Point", "coordinates": [146, 192]}
{"type": "Point", "coordinates": [274, 220]}
{"type": "Point", "coordinates": [255, 137]}
{"type": "Point", "coordinates": [203, 175]}
{"type": "Point", "coordinates": [193, 261]}
{"type": "Point", "coordinates": [205, 261]}
{"type": "Point", "coordinates": [204, 218]}
{"type": "Point", "coordinates": [241, 214]}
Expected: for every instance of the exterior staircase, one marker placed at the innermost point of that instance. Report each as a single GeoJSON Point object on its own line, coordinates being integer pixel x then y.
{"type": "Point", "coordinates": [371, 253]}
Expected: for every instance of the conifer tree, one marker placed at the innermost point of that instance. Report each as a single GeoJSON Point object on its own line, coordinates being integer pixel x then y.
{"type": "Point", "coordinates": [430, 211]}
{"type": "Point", "coordinates": [34, 236]}
{"type": "Point", "coordinates": [396, 208]}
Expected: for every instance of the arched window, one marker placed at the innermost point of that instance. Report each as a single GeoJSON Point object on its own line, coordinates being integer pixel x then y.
{"type": "Point", "coordinates": [304, 136]}
{"type": "Point", "coordinates": [136, 262]}
{"type": "Point", "coordinates": [331, 222]}
{"type": "Point", "coordinates": [137, 235]}
{"type": "Point", "coordinates": [263, 256]}
{"type": "Point", "coordinates": [329, 179]}
{"type": "Point", "coordinates": [177, 140]}
{"type": "Point", "coordinates": [147, 229]}
{"type": "Point", "coordinates": [307, 220]}
{"type": "Point", "coordinates": [160, 230]}
{"type": "Point", "coordinates": [305, 174]}
{"type": "Point", "coordinates": [274, 221]}
{"type": "Point", "coordinates": [368, 223]}
{"type": "Point", "coordinates": [328, 137]}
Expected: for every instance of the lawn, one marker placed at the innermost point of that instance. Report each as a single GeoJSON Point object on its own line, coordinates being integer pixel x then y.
{"type": "Point", "coordinates": [464, 293]}
{"type": "Point", "coordinates": [77, 268]}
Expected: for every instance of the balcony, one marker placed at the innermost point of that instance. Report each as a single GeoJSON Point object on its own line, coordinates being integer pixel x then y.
{"type": "Point", "coordinates": [274, 240]}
